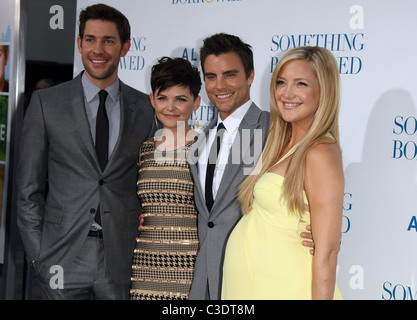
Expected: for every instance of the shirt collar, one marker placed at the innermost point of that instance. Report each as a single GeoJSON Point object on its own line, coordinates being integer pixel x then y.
{"type": "Point", "coordinates": [91, 90]}
{"type": "Point", "coordinates": [232, 122]}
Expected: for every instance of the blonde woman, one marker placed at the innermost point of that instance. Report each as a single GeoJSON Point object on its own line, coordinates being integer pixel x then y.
{"type": "Point", "coordinates": [301, 182]}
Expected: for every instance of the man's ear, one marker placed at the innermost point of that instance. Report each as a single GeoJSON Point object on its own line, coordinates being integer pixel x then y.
{"type": "Point", "coordinates": [79, 44]}
{"type": "Point", "coordinates": [125, 48]}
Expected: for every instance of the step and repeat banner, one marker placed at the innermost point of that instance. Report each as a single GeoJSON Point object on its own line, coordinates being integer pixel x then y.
{"type": "Point", "coordinates": [373, 42]}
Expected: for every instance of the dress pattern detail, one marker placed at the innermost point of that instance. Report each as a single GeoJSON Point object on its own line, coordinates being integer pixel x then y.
{"type": "Point", "coordinates": [166, 249]}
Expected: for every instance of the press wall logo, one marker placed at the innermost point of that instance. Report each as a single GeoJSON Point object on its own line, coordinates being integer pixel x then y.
{"type": "Point", "coordinates": [405, 132]}
{"type": "Point", "coordinates": [202, 1]}
{"type": "Point", "coordinates": [134, 60]}
{"type": "Point", "coordinates": [346, 47]}
{"type": "Point", "coordinates": [347, 207]}
{"type": "Point", "coordinates": [398, 291]}
{"type": "Point", "coordinates": [203, 115]}
{"type": "Point", "coordinates": [412, 226]}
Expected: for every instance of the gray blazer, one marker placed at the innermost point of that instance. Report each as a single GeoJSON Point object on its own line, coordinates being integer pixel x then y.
{"type": "Point", "coordinates": [57, 147]}
{"type": "Point", "coordinates": [214, 227]}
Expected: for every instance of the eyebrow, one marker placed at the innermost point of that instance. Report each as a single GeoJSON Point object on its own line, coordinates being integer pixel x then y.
{"type": "Point", "coordinates": [104, 37]}
{"type": "Point", "coordinates": [159, 94]}
{"type": "Point", "coordinates": [231, 71]}
{"type": "Point", "coordinates": [224, 73]}
{"type": "Point", "coordinates": [296, 79]}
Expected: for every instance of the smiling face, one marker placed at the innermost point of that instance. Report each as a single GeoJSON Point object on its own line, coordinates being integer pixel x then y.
{"type": "Point", "coordinates": [101, 49]}
{"type": "Point", "coordinates": [226, 83]}
{"type": "Point", "coordinates": [174, 106]}
{"type": "Point", "coordinates": [297, 93]}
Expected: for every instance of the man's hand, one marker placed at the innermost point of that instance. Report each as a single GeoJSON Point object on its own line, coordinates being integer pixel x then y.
{"type": "Point", "coordinates": [309, 236]}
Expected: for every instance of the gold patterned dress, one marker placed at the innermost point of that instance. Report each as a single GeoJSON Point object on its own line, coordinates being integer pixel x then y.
{"type": "Point", "coordinates": [166, 249]}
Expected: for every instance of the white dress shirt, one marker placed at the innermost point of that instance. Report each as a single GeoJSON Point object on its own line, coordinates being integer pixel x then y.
{"type": "Point", "coordinates": [91, 100]}
{"type": "Point", "coordinates": [231, 123]}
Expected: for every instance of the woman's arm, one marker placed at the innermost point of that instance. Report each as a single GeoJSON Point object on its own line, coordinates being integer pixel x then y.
{"type": "Point", "coordinates": [324, 186]}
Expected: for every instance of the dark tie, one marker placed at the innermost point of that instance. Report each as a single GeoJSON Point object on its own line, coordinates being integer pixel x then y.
{"type": "Point", "coordinates": [102, 131]}
{"type": "Point", "coordinates": [211, 165]}
{"type": "Point", "coordinates": [102, 138]}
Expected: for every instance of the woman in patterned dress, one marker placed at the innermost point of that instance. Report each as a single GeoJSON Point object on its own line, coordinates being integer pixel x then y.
{"type": "Point", "coordinates": [166, 249]}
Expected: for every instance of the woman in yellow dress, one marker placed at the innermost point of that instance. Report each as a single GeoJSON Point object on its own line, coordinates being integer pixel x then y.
{"type": "Point", "coordinates": [301, 182]}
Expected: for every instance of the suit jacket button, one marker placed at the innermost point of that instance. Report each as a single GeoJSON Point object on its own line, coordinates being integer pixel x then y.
{"type": "Point", "coordinates": [101, 182]}
{"type": "Point", "coordinates": [92, 210]}
{"type": "Point", "coordinates": [210, 224]}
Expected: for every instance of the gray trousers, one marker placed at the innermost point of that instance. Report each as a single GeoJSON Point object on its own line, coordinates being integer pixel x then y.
{"type": "Point", "coordinates": [86, 279]}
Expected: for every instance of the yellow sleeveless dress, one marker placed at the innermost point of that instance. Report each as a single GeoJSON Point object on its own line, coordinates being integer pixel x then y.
{"type": "Point", "coordinates": [264, 257]}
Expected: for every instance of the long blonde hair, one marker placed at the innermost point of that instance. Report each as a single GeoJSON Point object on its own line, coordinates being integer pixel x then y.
{"type": "Point", "coordinates": [325, 121]}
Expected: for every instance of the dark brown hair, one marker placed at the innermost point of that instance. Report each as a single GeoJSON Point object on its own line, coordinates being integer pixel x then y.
{"type": "Point", "coordinates": [221, 43]}
{"type": "Point", "coordinates": [170, 72]}
{"type": "Point", "coordinates": [106, 13]}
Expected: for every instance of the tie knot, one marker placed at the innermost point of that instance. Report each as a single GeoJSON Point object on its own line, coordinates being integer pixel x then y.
{"type": "Point", "coordinates": [220, 126]}
{"type": "Point", "coordinates": [102, 95]}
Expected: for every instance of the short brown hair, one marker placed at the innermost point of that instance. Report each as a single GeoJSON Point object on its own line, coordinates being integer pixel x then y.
{"type": "Point", "coordinates": [170, 72]}
{"type": "Point", "coordinates": [106, 13]}
{"type": "Point", "coordinates": [221, 43]}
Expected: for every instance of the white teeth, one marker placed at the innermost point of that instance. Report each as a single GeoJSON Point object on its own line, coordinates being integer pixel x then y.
{"type": "Point", "coordinates": [291, 104]}
{"type": "Point", "coordinates": [98, 61]}
{"type": "Point", "coordinates": [222, 96]}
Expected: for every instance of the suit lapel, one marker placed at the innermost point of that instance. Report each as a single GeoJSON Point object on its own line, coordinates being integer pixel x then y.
{"type": "Point", "coordinates": [128, 116]}
{"type": "Point", "coordinates": [240, 148]}
{"type": "Point", "coordinates": [77, 113]}
{"type": "Point", "coordinates": [193, 157]}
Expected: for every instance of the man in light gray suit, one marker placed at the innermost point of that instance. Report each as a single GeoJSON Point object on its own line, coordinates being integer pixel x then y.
{"type": "Point", "coordinates": [80, 236]}
{"type": "Point", "coordinates": [228, 69]}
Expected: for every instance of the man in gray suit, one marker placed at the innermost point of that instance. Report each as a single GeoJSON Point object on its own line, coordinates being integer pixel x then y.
{"type": "Point", "coordinates": [80, 236]}
{"type": "Point", "coordinates": [228, 69]}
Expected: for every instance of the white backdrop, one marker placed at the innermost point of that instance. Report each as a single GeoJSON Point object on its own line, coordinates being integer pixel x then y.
{"type": "Point", "coordinates": [375, 46]}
